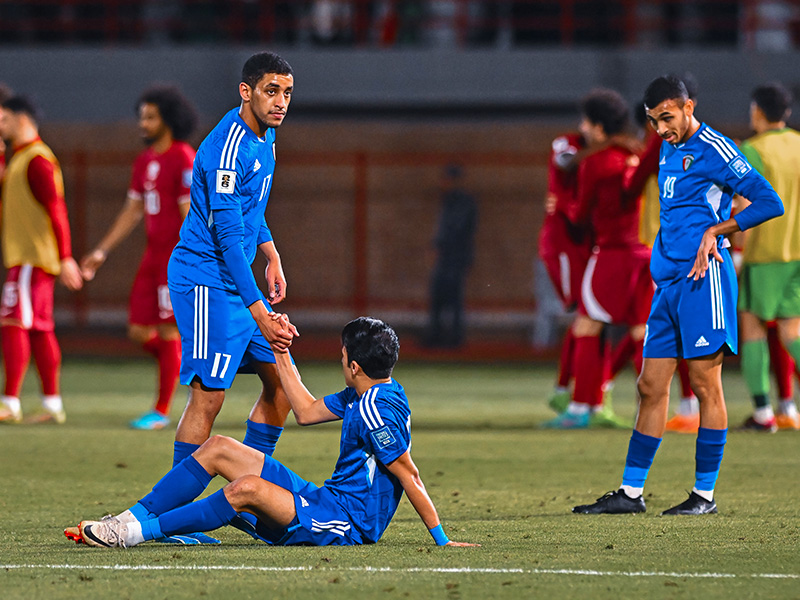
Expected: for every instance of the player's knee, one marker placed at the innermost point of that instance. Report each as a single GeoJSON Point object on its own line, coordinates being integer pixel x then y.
{"type": "Point", "coordinates": [218, 446]}
{"type": "Point", "coordinates": [243, 492]}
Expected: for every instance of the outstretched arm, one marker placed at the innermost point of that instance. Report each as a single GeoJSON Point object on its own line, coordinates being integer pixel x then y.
{"type": "Point", "coordinates": [407, 473]}
{"type": "Point", "coordinates": [126, 220]}
{"type": "Point", "coordinates": [307, 409]}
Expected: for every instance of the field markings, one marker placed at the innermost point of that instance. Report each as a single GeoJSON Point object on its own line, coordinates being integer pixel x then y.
{"type": "Point", "coordinates": [448, 570]}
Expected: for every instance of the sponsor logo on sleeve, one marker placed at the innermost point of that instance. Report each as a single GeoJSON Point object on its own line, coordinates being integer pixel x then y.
{"type": "Point", "coordinates": [739, 166]}
{"type": "Point", "coordinates": [226, 181]}
{"type": "Point", "coordinates": [382, 437]}
{"type": "Point", "coordinates": [186, 177]}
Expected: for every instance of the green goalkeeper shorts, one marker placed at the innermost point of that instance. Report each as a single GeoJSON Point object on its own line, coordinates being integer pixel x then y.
{"type": "Point", "coordinates": [770, 290]}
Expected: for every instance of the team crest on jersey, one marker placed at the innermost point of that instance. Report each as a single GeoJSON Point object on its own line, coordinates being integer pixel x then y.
{"type": "Point", "coordinates": [687, 161]}
{"type": "Point", "coordinates": [152, 169]}
{"type": "Point", "coordinates": [226, 181]}
{"type": "Point", "coordinates": [382, 437]}
{"type": "Point", "coordinates": [739, 166]}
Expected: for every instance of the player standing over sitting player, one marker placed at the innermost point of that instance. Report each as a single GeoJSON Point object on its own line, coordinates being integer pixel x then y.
{"type": "Point", "coordinates": [770, 277]}
{"type": "Point", "coordinates": [616, 286]}
{"type": "Point", "coordinates": [694, 307]}
{"type": "Point", "coordinates": [353, 507]}
{"type": "Point", "coordinates": [563, 247]}
{"type": "Point", "coordinates": [221, 314]}
{"type": "Point", "coordinates": [159, 191]}
{"type": "Point", "coordinates": [37, 249]}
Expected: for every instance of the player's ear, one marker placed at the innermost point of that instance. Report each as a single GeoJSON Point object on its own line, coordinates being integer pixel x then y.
{"type": "Point", "coordinates": [245, 91]}
{"type": "Point", "coordinates": [354, 367]}
{"type": "Point", "coordinates": [688, 107]}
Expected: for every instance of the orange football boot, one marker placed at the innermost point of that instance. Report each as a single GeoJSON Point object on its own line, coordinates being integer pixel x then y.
{"type": "Point", "coordinates": [684, 423]}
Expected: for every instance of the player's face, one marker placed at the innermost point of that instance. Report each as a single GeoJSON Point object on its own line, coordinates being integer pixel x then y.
{"type": "Point", "coordinates": [672, 121]}
{"type": "Point", "coordinates": [269, 99]}
{"type": "Point", "coordinates": [151, 125]}
{"type": "Point", "coordinates": [593, 133]}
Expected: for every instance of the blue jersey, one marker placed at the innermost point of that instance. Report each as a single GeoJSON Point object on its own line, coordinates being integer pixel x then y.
{"type": "Point", "coordinates": [376, 429]}
{"type": "Point", "coordinates": [231, 181]}
{"type": "Point", "coordinates": [696, 181]}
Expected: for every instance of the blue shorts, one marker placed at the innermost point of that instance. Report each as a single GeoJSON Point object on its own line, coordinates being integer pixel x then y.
{"type": "Point", "coordinates": [218, 336]}
{"type": "Point", "coordinates": [320, 520]}
{"type": "Point", "coordinates": [690, 319]}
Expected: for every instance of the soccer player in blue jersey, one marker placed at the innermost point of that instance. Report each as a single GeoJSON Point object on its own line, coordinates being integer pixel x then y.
{"type": "Point", "coordinates": [693, 312]}
{"type": "Point", "coordinates": [354, 506]}
{"type": "Point", "coordinates": [222, 316]}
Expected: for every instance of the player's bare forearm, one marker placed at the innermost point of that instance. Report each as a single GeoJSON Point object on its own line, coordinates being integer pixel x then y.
{"type": "Point", "coordinates": [407, 473]}
{"type": "Point", "coordinates": [276, 280]}
{"type": "Point", "coordinates": [126, 221]}
{"type": "Point", "coordinates": [307, 409]}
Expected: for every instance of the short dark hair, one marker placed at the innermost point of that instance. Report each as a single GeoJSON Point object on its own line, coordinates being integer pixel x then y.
{"type": "Point", "coordinates": [373, 345]}
{"type": "Point", "coordinates": [175, 109]}
{"type": "Point", "coordinates": [262, 63]}
{"type": "Point", "coordinates": [774, 100]}
{"type": "Point", "coordinates": [666, 87]}
{"type": "Point", "coordinates": [607, 108]}
{"type": "Point", "coordinates": [22, 105]}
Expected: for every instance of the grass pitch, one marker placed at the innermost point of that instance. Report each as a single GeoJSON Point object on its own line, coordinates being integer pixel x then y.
{"type": "Point", "coordinates": [494, 477]}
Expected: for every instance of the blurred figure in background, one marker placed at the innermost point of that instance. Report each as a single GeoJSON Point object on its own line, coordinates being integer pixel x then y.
{"type": "Point", "coordinates": [454, 244]}
{"type": "Point", "coordinates": [37, 249]}
{"type": "Point", "coordinates": [5, 94]}
{"type": "Point", "coordinates": [616, 287]}
{"type": "Point", "coordinates": [770, 277]}
{"type": "Point", "coordinates": [564, 247]}
{"type": "Point", "coordinates": [159, 192]}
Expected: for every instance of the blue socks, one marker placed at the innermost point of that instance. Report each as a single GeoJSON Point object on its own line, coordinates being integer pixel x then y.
{"type": "Point", "coordinates": [181, 450]}
{"type": "Point", "coordinates": [204, 515]}
{"type": "Point", "coordinates": [262, 437]}
{"type": "Point", "coordinates": [641, 452]}
{"type": "Point", "coordinates": [182, 484]}
{"type": "Point", "coordinates": [708, 456]}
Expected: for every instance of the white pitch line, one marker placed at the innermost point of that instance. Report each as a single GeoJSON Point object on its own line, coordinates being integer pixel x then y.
{"type": "Point", "coordinates": [487, 571]}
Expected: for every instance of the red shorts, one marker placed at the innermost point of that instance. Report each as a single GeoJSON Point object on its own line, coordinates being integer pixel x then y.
{"type": "Point", "coordinates": [150, 303]}
{"type": "Point", "coordinates": [617, 286]}
{"type": "Point", "coordinates": [564, 259]}
{"type": "Point", "coordinates": [28, 298]}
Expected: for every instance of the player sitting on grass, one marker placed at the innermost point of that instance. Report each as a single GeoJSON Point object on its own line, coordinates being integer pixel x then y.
{"type": "Point", "coordinates": [353, 507]}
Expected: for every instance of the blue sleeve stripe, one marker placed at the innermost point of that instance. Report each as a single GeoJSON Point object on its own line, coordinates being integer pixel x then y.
{"type": "Point", "coordinates": [227, 159]}
{"type": "Point", "coordinates": [720, 145]}
{"type": "Point", "coordinates": [369, 412]}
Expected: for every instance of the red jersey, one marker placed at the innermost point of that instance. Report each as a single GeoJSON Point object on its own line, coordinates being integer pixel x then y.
{"type": "Point", "coordinates": [561, 184]}
{"type": "Point", "coordinates": [601, 199]}
{"type": "Point", "coordinates": [162, 182]}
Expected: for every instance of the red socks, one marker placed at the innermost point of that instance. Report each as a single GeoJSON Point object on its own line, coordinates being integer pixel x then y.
{"type": "Point", "coordinates": [169, 367]}
{"type": "Point", "coordinates": [590, 370]}
{"type": "Point", "coordinates": [782, 364]}
{"type": "Point", "coordinates": [567, 357]}
{"type": "Point", "coordinates": [47, 356]}
{"type": "Point", "coordinates": [16, 356]}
